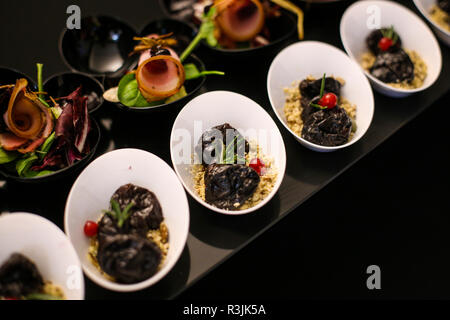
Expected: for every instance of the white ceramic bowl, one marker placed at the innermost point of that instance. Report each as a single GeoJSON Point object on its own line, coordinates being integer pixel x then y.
{"type": "Point", "coordinates": [47, 246]}
{"type": "Point", "coordinates": [424, 7]}
{"type": "Point", "coordinates": [414, 33]}
{"type": "Point", "coordinates": [215, 108]}
{"type": "Point", "coordinates": [92, 192]}
{"type": "Point", "coordinates": [302, 59]}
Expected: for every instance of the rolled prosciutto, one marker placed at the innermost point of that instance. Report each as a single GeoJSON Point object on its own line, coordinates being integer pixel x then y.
{"type": "Point", "coordinates": [160, 73]}
{"type": "Point", "coordinates": [240, 20]}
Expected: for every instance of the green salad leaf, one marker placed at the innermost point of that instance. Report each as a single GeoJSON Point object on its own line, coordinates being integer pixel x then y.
{"type": "Point", "coordinates": [7, 156]}
{"type": "Point", "coordinates": [45, 147]}
{"type": "Point", "coordinates": [23, 165]}
{"type": "Point", "coordinates": [129, 94]}
{"type": "Point", "coordinates": [41, 296]}
{"type": "Point", "coordinates": [192, 72]}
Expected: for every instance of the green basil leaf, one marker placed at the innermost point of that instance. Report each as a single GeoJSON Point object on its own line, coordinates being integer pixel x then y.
{"type": "Point", "coordinates": [129, 94]}
{"type": "Point", "coordinates": [7, 156]}
{"type": "Point", "coordinates": [191, 72]}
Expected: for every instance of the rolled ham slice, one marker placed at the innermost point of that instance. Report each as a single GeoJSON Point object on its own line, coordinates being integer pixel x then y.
{"type": "Point", "coordinates": [240, 20]}
{"type": "Point", "coordinates": [9, 141]}
{"type": "Point", "coordinates": [159, 76]}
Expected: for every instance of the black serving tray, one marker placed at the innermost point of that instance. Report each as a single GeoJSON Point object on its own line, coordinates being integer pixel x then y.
{"type": "Point", "coordinates": [213, 238]}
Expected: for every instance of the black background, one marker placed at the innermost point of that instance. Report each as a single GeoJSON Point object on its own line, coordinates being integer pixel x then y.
{"type": "Point", "coordinates": [390, 209]}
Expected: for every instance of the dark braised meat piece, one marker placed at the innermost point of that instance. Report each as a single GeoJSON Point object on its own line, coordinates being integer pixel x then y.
{"type": "Point", "coordinates": [207, 145]}
{"type": "Point", "coordinates": [374, 38]}
{"type": "Point", "coordinates": [310, 90]}
{"type": "Point", "coordinates": [228, 186]}
{"type": "Point", "coordinates": [107, 227]}
{"type": "Point", "coordinates": [393, 67]}
{"type": "Point", "coordinates": [444, 5]}
{"type": "Point", "coordinates": [328, 127]}
{"type": "Point", "coordinates": [146, 213]}
{"type": "Point", "coordinates": [129, 258]}
{"type": "Point", "coordinates": [19, 277]}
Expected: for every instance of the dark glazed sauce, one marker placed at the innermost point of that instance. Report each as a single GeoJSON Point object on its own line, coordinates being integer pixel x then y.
{"type": "Point", "coordinates": [310, 90]}
{"type": "Point", "coordinates": [19, 277]}
{"type": "Point", "coordinates": [393, 67]}
{"type": "Point", "coordinates": [228, 186]}
{"type": "Point", "coordinates": [124, 252]}
{"type": "Point", "coordinates": [129, 258]}
{"type": "Point", "coordinates": [444, 5]}
{"type": "Point", "coordinates": [330, 127]}
{"type": "Point", "coordinates": [207, 145]}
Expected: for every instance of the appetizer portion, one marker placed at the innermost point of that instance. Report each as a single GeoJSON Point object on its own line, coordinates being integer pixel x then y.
{"type": "Point", "coordinates": [229, 172]}
{"type": "Point", "coordinates": [242, 24]}
{"type": "Point", "coordinates": [38, 135]}
{"type": "Point", "coordinates": [20, 279]}
{"type": "Point", "coordinates": [316, 111]}
{"type": "Point", "coordinates": [440, 13]}
{"type": "Point", "coordinates": [130, 241]}
{"type": "Point", "coordinates": [160, 75]}
{"type": "Point", "coordinates": [389, 62]}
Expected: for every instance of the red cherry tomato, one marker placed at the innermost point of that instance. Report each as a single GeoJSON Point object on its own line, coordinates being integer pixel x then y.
{"type": "Point", "coordinates": [328, 100]}
{"type": "Point", "coordinates": [385, 43]}
{"type": "Point", "coordinates": [257, 165]}
{"type": "Point", "coordinates": [90, 228]}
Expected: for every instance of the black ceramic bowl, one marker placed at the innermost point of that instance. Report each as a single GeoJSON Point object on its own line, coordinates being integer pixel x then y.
{"type": "Point", "coordinates": [94, 139]}
{"type": "Point", "coordinates": [100, 48]}
{"type": "Point", "coordinates": [62, 84]}
{"type": "Point", "coordinates": [280, 28]}
{"type": "Point", "coordinates": [10, 76]}
{"type": "Point", "coordinates": [184, 33]}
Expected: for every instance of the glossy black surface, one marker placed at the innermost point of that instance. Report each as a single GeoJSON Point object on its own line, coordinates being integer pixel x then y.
{"type": "Point", "coordinates": [63, 84]}
{"type": "Point", "coordinates": [213, 237]}
{"type": "Point", "coordinates": [94, 140]}
{"type": "Point", "coordinates": [101, 47]}
{"type": "Point", "coordinates": [10, 76]}
{"type": "Point", "coordinates": [280, 30]}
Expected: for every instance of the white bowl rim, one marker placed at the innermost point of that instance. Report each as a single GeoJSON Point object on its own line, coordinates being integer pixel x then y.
{"type": "Point", "coordinates": [418, 20]}
{"type": "Point", "coordinates": [160, 274]}
{"type": "Point", "coordinates": [426, 14]}
{"type": "Point", "coordinates": [29, 215]}
{"type": "Point", "coordinates": [281, 171]}
{"type": "Point", "coordinates": [313, 145]}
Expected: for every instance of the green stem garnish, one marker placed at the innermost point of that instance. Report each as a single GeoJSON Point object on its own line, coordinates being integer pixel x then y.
{"type": "Point", "coordinates": [39, 79]}
{"type": "Point", "coordinates": [206, 32]}
{"type": "Point", "coordinates": [322, 91]}
{"type": "Point", "coordinates": [119, 215]}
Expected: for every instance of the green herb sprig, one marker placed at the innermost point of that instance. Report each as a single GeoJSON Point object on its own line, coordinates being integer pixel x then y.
{"type": "Point", "coordinates": [390, 33]}
{"type": "Point", "coordinates": [118, 214]}
{"type": "Point", "coordinates": [228, 155]}
{"type": "Point", "coordinates": [322, 90]}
